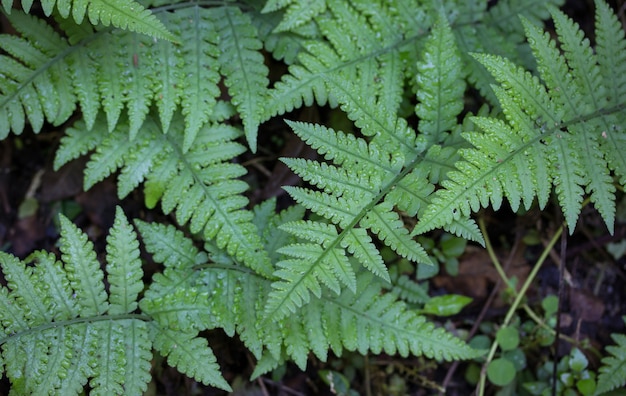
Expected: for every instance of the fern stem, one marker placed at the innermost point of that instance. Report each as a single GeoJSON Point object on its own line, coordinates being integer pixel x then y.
{"type": "Point", "coordinates": [70, 322]}
{"type": "Point", "coordinates": [516, 303]}
{"type": "Point", "coordinates": [492, 254]}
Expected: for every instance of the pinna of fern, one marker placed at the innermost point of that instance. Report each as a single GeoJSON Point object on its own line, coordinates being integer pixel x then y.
{"type": "Point", "coordinates": [563, 129]}
{"type": "Point", "coordinates": [612, 373]}
{"type": "Point", "coordinates": [124, 14]}
{"type": "Point", "coordinates": [45, 75]}
{"type": "Point", "coordinates": [61, 329]}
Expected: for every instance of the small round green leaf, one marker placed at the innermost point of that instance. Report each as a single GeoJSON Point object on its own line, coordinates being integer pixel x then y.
{"type": "Point", "coordinates": [508, 338]}
{"type": "Point", "coordinates": [586, 386]}
{"type": "Point", "coordinates": [480, 342]}
{"type": "Point", "coordinates": [472, 373]}
{"type": "Point", "coordinates": [501, 372]}
{"type": "Point", "coordinates": [550, 305]}
{"type": "Point", "coordinates": [517, 356]}
{"type": "Point", "coordinates": [578, 361]}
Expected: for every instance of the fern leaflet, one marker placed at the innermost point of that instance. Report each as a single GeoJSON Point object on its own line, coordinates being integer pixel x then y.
{"type": "Point", "coordinates": [612, 373]}
{"type": "Point", "coordinates": [123, 14]}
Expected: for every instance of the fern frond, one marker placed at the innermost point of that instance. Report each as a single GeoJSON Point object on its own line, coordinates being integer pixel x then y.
{"type": "Point", "coordinates": [124, 266]}
{"type": "Point", "coordinates": [546, 140]}
{"type": "Point", "coordinates": [410, 291]}
{"type": "Point", "coordinates": [60, 329]}
{"type": "Point", "coordinates": [169, 246]}
{"type": "Point", "coordinates": [283, 46]}
{"type": "Point", "coordinates": [193, 68]}
{"type": "Point", "coordinates": [612, 373]}
{"type": "Point", "coordinates": [84, 269]}
{"type": "Point", "coordinates": [350, 200]}
{"type": "Point", "coordinates": [611, 52]}
{"type": "Point", "coordinates": [235, 296]}
{"type": "Point", "coordinates": [213, 202]}
{"type": "Point", "coordinates": [242, 65]}
{"type": "Point", "coordinates": [123, 14]}
{"type": "Point", "coordinates": [495, 30]}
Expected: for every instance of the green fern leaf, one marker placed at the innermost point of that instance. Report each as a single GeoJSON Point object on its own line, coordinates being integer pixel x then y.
{"type": "Point", "coordinates": [124, 266]}
{"type": "Point", "coordinates": [82, 67]}
{"type": "Point", "coordinates": [610, 52]}
{"type": "Point", "coordinates": [386, 223]}
{"type": "Point", "coordinates": [612, 373]}
{"type": "Point", "coordinates": [264, 365]}
{"type": "Point", "coordinates": [25, 93]}
{"type": "Point", "coordinates": [411, 291]}
{"type": "Point", "coordinates": [546, 141]}
{"type": "Point", "coordinates": [138, 356]}
{"type": "Point", "coordinates": [272, 223]}
{"type": "Point", "coordinates": [368, 322]}
{"type": "Point", "coordinates": [190, 355]}
{"type": "Point", "coordinates": [612, 64]}
{"type": "Point", "coordinates": [242, 64]}
{"type": "Point", "coordinates": [83, 268]}
{"type": "Point", "coordinates": [44, 79]}
{"type": "Point", "coordinates": [283, 46]}
{"type": "Point", "coordinates": [440, 86]}
{"type": "Point", "coordinates": [374, 118]}
{"type": "Point", "coordinates": [298, 13]}
{"type": "Point", "coordinates": [587, 82]}
{"type": "Point", "coordinates": [350, 201]}
{"type": "Point", "coordinates": [119, 13]}
{"type": "Point", "coordinates": [82, 334]}
{"type": "Point", "coordinates": [170, 246]}
{"type": "Point", "coordinates": [213, 201]}
{"type": "Point", "coordinates": [197, 78]}
{"type": "Point", "coordinates": [109, 378]}
{"type": "Point", "coordinates": [357, 53]}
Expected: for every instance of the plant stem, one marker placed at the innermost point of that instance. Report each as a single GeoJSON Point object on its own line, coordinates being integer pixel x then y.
{"type": "Point", "coordinates": [516, 303]}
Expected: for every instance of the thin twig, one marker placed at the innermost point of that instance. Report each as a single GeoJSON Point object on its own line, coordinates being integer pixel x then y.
{"type": "Point", "coordinates": [560, 306]}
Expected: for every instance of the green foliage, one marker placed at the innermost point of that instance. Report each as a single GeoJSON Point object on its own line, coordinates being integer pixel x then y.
{"type": "Point", "coordinates": [61, 329]}
{"type": "Point", "coordinates": [46, 79]}
{"type": "Point", "coordinates": [237, 296]}
{"type": "Point", "coordinates": [563, 131]}
{"type": "Point", "coordinates": [612, 373]}
{"type": "Point", "coordinates": [213, 204]}
{"type": "Point", "coordinates": [163, 99]}
{"type": "Point", "coordinates": [123, 14]}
